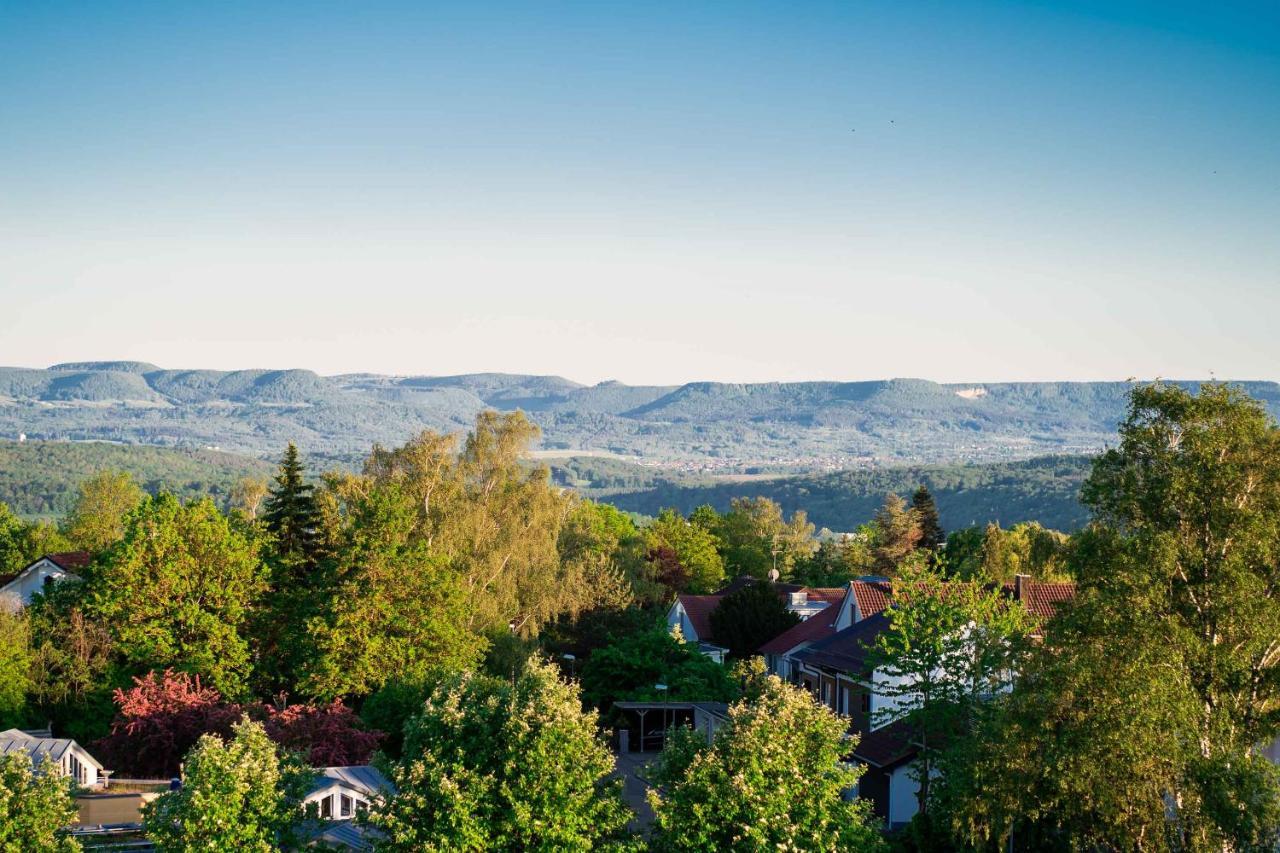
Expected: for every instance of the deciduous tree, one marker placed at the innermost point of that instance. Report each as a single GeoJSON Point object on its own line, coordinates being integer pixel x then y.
{"type": "Point", "coordinates": [177, 591]}
{"type": "Point", "coordinates": [773, 778]}
{"type": "Point", "coordinates": [35, 807]}
{"type": "Point", "coordinates": [947, 648]}
{"type": "Point", "coordinates": [236, 795]}
{"type": "Point", "coordinates": [103, 502]}
{"type": "Point", "coordinates": [159, 719]}
{"type": "Point", "coordinates": [492, 764]}
{"type": "Point", "coordinates": [631, 666]}
{"type": "Point", "coordinates": [694, 548]}
{"type": "Point", "coordinates": [15, 667]}
{"type": "Point", "coordinates": [755, 538]}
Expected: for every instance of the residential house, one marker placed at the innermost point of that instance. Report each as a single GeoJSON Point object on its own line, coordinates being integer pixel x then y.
{"type": "Point", "coordinates": [17, 589]}
{"type": "Point", "coordinates": [856, 601]}
{"type": "Point", "coordinates": [70, 758]}
{"type": "Point", "coordinates": [338, 795]}
{"type": "Point", "coordinates": [340, 792]}
{"type": "Point", "coordinates": [838, 669]}
{"type": "Point", "coordinates": [692, 613]}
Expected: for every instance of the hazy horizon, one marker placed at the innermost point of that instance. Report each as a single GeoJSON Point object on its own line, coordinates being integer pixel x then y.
{"type": "Point", "coordinates": [685, 381]}
{"type": "Point", "coordinates": [654, 194]}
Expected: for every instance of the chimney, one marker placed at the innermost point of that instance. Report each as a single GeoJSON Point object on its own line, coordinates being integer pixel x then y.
{"type": "Point", "coordinates": [1021, 587]}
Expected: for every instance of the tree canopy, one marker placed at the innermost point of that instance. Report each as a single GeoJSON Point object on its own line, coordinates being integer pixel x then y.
{"type": "Point", "coordinates": [35, 807]}
{"type": "Point", "coordinates": [492, 764]}
{"type": "Point", "coordinates": [773, 778]}
{"type": "Point", "coordinates": [749, 617]}
{"type": "Point", "coordinates": [236, 794]}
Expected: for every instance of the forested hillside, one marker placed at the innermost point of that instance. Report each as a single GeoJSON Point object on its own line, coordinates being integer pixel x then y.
{"type": "Point", "coordinates": [701, 426]}
{"type": "Point", "coordinates": [1046, 489]}
{"type": "Point", "coordinates": [39, 478]}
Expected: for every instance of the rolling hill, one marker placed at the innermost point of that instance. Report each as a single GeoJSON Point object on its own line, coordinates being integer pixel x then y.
{"type": "Point", "coordinates": [696, 427]}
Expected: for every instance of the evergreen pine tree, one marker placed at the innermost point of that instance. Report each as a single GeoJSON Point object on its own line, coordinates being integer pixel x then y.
{"type": "Point", "coordinates": [298, 586]}
{"type": "Point", "coordinates": [291, 513]}
{"type": "Point", "coordinates": [932, 536]}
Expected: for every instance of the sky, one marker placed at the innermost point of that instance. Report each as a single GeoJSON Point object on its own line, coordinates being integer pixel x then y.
{"type": "Point", "coordinates": [648, 192]}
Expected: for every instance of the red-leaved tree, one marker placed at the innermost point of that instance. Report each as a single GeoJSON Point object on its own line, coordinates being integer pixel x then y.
{"type": "Point", "coordinates": [164, 714]}
{"type": "Point", "coordinates": [326, 735]}
{"type": "Point", "coordinates": [159, 719]}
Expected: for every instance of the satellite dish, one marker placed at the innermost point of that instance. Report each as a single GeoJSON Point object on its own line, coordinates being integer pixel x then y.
{"type": "Point", "coordinates": [773, 576]}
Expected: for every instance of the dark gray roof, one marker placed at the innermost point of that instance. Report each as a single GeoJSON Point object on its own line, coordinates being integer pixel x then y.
{"type": "Point", "coordinates": [716, 709]}
{"type": "Point", "coordinates": [343, 834]}
{"type": "Point", "coordinates": [16, 742]}
{"type": "Point", "coordinates": [363, 778]}
{"type": "Point", "coordinates": [846, 651]}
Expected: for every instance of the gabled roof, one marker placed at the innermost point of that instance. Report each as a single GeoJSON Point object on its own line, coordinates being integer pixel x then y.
{"type": "Point", "coordinates": [698, 608]}
{"type": "Point", "coordinates": [887, 746]}
{"type": "Point", "coordinates": [816, 627]}
{"type": "Point", "coordinates": [1042, 598]}
{"type": "Point", "coordinates": [361, 777]}
{"type": "Point", "coordinates": [846, 651]}
{"type": "Point", "coordinates": [872, 596]}
{"type": "Point", "coordinates": [17, 742]}
{"type": "Point", "coordinates": [70, 561]}
{"type": "Point", "coordinates": [829, 594]}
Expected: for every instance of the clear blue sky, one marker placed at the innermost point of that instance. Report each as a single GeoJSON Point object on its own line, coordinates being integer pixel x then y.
{"type": "Point", "coordinates": [653, 192]}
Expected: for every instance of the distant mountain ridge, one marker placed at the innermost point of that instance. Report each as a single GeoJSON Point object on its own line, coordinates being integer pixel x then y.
{"type": "Point", "coordinates": [712, 426]}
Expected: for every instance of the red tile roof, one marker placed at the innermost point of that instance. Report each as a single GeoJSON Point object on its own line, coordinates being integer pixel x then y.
{"type": "Point", "coordinates": [829, 594]}
{"type": "Point", "coordinates": [872, 596]}
{"type": "Point", "coordinates": [816, 627]}
{"type": "Point", "coordinates": [1042, 598]}
{"type": "Point", "coordinates": [70, 560]}
{"type": "Point", "coordinates": [698, 608]}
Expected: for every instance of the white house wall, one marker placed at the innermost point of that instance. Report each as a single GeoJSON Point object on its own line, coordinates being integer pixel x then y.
{"type": "Point", "coordinates": [904, 795]}
{"type": "Point", "coordinates": [24, 587]}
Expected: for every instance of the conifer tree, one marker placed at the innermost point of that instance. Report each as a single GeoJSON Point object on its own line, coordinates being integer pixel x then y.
{"type": "Point", "coordinates": [291, 513]}
{"type": "Point", "coordinates": [932, 536]}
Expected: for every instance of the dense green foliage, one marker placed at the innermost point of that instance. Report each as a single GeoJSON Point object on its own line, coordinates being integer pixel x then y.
{"type": "Point", "coordinates": [1136, 724]}
{"type": "Point", "coordinates": [103, 503]}
{"type": "Point", "coordinates": [772, 779]}
{"type": "Point", "coordinates": [947, 648]}
{"type": "Point", "coordinates": [631, 667]}
{"type": "Point", "coordinates": [42, 478]}
{"type": "Point", "coordinates": [15, 667]}
{"type": "Point", "coordinates": [177, 591]}
{"type": "Point", "coordinates": [417, 586]}
{"type": "Point", "coordinates": [1045, 490]}
{"type": "Point", "coordinates": [492, 764]}
{"type": "Point", "coordinates": [749, 617]}
{"type": "Point", "coordinates": [235, 795]}
{"type": "Point", "coordinates": [35, 807]}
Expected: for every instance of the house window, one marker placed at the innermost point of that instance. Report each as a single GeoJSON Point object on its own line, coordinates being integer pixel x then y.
{"type": "Point", "coordinates": [326, 808]}
{"type": "Point", "coordinates": [843, 710]}
{"type": "Point", "coordinates": [866, 701]}
{"type": "Point", "coordinates": [345, 808]}
{"type": "Point", "coordinates": [361, 806]}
